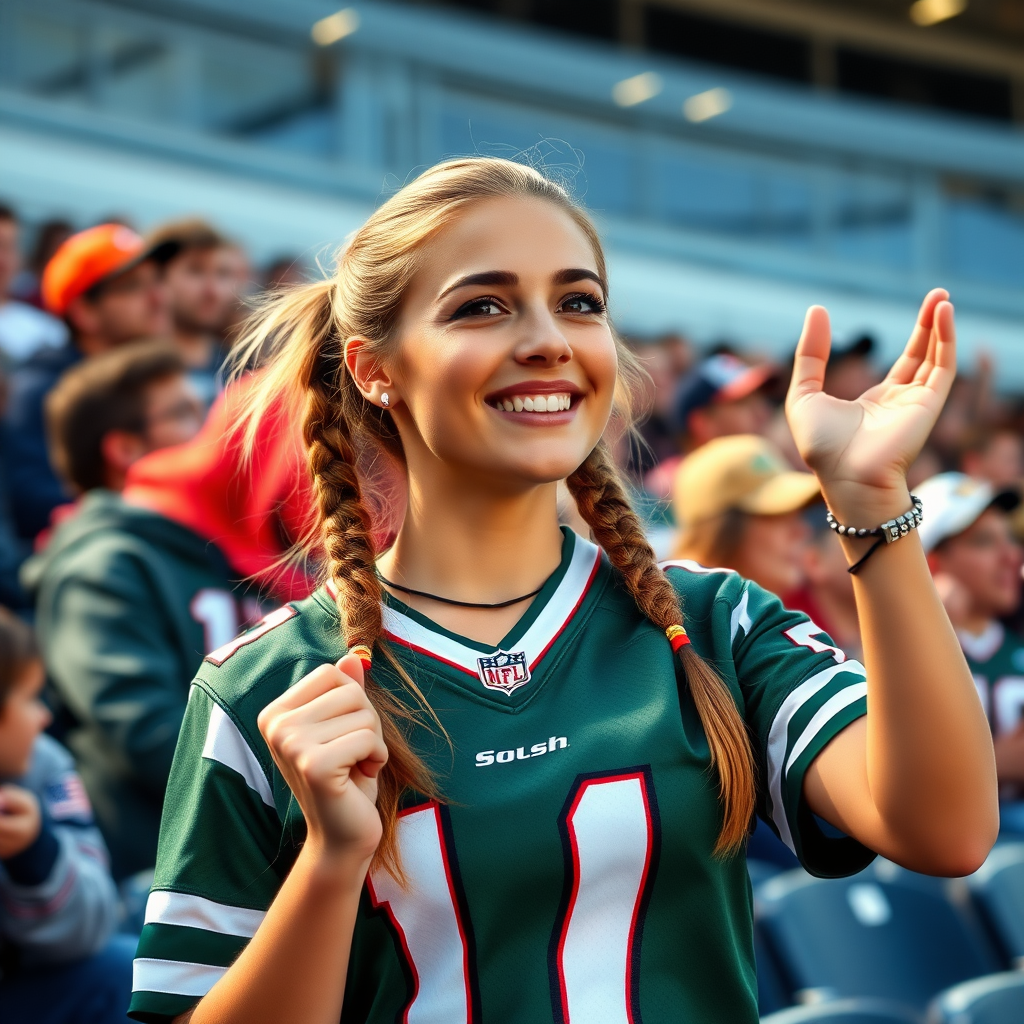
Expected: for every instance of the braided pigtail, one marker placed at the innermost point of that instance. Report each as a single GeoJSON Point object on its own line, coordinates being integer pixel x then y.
{"type": "Point", "coordinates": [603, 504]}
{"type": "Point", "coordinates": [349, 553]}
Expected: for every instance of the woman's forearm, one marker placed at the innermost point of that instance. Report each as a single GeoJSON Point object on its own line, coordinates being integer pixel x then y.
{"type": "Point", "coordinates": [293, 971]}
{"type": "Point", "coordinates": [916, 779]}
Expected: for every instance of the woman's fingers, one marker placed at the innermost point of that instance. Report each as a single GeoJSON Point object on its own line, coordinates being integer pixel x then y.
{"type": "Point", "coordinates": [943, 372]}
{"type": "Point", "coordinates": [916, 351]}
{"type": "Point", "coordinates": [811, 354]}
{"type": "Point", "coordinates": [352, 667]}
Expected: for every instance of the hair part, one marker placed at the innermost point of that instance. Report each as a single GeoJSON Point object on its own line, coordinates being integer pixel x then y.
{"type": "Point", "coordinates": [299, 337]}
{"type": "Point", "coordinates": [99, 395]}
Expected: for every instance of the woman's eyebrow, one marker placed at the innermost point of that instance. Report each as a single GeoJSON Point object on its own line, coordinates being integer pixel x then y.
{"type": "Point", "coordinates": [578, 274]}
{"type": "Point", "coordinates": [502, 277]}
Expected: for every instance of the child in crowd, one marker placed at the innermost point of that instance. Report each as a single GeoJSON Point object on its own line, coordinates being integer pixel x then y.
{"type": "Point", "coordinates": [58, 904]}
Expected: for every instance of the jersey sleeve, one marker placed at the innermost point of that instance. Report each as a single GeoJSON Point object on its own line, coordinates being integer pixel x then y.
{"type": "Point", "coordinates": [799, 692]}
{"type": "Point", "coordinates": [222, 857]}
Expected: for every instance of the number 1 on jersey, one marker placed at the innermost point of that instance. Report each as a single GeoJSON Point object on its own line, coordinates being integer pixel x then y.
{"type": "Point", "coordinates": [609, 829]}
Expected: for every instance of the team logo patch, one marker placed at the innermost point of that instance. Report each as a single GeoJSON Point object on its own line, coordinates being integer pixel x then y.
{"type": "Point", "coordinates": [504, 671]}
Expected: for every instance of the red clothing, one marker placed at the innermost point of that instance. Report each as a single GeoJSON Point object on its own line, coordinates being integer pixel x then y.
{"type": "Point", "coordinates": [253, 510]}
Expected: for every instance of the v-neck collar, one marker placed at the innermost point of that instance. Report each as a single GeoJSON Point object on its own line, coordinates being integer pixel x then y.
{"type": "Point", "coordinates": [532, 636]}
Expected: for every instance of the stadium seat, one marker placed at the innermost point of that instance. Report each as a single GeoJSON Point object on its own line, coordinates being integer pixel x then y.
{"type": "Point", "coordinates": [846, 1011]}
{"type": "Point", "coordinates": [997, 999]}
{"type": "Point", "coordinates": [998, 889]}
{"type": "Point", "coordinates": [883, 936]}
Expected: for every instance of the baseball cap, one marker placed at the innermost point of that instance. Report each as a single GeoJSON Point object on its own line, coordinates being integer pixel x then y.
{"type": "Point", "coordinates": [721, 378]}
{"type": "Point", "coordinates": [743, 472]}
{"type": "Point", "coordinates": [953, 501]}
{"type": "Point", "coordinates": [89, 257]}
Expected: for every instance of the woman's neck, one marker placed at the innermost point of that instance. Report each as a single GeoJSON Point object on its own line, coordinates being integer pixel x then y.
{"type": "Point", "coordinates": [472, 544]}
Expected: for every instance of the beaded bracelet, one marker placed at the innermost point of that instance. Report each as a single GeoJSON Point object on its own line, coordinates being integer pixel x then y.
{"type": "Point", "coordinates": [887, 533]}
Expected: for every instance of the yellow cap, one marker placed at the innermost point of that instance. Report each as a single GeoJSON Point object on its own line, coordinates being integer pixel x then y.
{"type": "Point", "coordinates": [743, 472]}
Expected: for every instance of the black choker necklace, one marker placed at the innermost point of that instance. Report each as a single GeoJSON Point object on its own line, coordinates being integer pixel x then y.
{"type": "Point", "coordinates": [458, 604]}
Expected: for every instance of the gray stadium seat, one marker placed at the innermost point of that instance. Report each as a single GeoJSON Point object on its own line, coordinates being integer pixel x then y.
{"type": "Point", "coordinates": [846, 1011]}
{"type": "Point", "coordinates": [997, 999]}
{"type": "Point", "coordinates": [998, 889]}
{"type": "Point", "coordinates": [886, 936]}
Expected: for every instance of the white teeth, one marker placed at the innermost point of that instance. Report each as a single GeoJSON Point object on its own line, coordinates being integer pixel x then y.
{"type": "Point", "coordinates": [535, 403]}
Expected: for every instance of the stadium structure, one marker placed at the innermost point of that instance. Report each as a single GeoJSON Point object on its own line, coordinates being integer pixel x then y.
{"type": "Point", "coordinates": [745, 158]}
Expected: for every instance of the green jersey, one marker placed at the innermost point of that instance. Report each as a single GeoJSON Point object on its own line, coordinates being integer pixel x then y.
{"type": "Point", "coordinates": [569, 875]}
{"type": "Point", "coordinates": [996, 660]}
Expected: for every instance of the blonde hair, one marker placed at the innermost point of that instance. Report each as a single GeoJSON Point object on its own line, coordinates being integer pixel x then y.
{"type": "Point", "coordinates": [301, 335]}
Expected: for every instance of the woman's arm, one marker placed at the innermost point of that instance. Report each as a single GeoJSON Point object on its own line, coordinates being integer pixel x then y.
{"type": "Point", "coordinates": [915, 779]}
{"type": "Point", "coordinates": [325, 737]}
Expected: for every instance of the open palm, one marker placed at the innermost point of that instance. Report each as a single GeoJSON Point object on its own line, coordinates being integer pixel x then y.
{"type": "Point", "coordinates": [871, 441]}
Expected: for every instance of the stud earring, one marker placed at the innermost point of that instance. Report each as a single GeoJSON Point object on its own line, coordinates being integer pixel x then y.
{"type": "Point", "coordinates": [384, 400]}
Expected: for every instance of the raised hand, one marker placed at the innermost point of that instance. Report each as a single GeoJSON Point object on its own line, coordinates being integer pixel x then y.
{"type": "Point", "coordinates": [325, 737]}
{"type": "Point", "coordinates": [861, 450]}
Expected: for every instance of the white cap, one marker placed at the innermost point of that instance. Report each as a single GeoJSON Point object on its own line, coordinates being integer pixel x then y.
{"type": "Point", "coordinates": [953, 501]}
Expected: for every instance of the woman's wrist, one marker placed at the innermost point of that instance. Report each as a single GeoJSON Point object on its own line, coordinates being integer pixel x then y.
{"type": "Point", "coordinates": [335, 866]}
{"type": "Point", "coordinates": [865, 506]}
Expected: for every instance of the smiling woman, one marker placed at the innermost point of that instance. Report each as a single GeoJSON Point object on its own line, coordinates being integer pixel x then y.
{"type": "Point", "coordinates": [518, 791]}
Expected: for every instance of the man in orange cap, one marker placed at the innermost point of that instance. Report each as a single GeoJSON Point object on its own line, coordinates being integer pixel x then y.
{"type": "Point", "coordinates": [105, 283]}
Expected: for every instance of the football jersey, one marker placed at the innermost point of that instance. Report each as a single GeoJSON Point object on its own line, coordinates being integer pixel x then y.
{"type": "Point", "coordinates": [569, 873]}
{"type": "Point", "coordinates": [996, 660]}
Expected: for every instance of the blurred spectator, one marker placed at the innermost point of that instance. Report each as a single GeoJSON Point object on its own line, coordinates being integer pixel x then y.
{"type": "Point", "coordinates": [13, 549]}
{"type": "Point", "coordinates": [105, 284]}
{"type": "Point", "coordinates": [284, 272]}
{"type": "Point", "coordinates": [202, 278]}
{"type": "Point", "coordinates": [976, 564]}
{"type": "Point", "coordinates": [850, 371]}
{"type": "Point", "coordinates": [827, 594]}
{"type": "Point", "coordinates": [58, 904]}
{"type": "Point", "coordinates": [23, 328]}
{"type": "Point", "coordinates": [739, 505]}
{"type": "Point", "coordinates": [50, 236]}
{"type": "Point", "coordinates": [721, 397]}
{"type": "Point", "coordinates": [666, 359]}
{"type": "Point", "coordinates": [108, 412]}
{"type": "Point", "coordinates": [134, 589]}
{"type": "Point", "coordinates": [994, 454]}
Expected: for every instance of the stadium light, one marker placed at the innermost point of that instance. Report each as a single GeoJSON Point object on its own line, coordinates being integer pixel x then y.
{"type": "Point", "coordinates": [706, 105]}
{"type": "Point", "coordinates": [931, 12]}
{"type": "Point", "coordinates": [638, 89]}
{"type": "Point", "coordinates": [335, 26]}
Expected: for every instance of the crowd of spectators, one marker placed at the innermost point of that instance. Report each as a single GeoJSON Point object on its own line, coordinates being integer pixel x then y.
{"type": "Point", "coordinates": [134, 541]}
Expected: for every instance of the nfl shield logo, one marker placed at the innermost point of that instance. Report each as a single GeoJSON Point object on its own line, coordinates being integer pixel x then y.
{"type": "Point", "coordinates": [504, 671]}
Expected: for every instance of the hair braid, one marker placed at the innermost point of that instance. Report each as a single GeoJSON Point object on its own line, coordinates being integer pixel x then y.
{"type": "Point", "coordinates": [603, 504]}
{"type": "Point", "coordinates": [350, 554]}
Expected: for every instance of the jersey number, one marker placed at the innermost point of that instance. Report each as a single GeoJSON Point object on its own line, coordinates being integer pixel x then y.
{"type": "Point", "coordinates": [609, 831]}
{"type": "Point", "coordinates": [217, 612]}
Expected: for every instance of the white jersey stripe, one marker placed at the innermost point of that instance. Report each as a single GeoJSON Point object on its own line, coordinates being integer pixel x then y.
{"type": "Point", "coordinates": [226, 745]}
{"type": "Point", "coordinates": [537, 639]}
{"type": "Point", "coordinates": [174, 977]}
{"type": "Point", "coordinates": [836, 703]}
{"type": "Point", "coordinates": [778, 740]}
{"type": "Point", "coordinates": [187, 911]}
{"type": "Point", "coordinates": [740, 618]}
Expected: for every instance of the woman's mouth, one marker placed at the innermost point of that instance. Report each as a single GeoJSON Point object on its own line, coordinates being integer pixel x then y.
{"type": "Point", "coordinates": [534, 403]}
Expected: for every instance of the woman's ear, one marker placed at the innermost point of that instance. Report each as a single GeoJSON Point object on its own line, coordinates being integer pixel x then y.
{"type": "Point", "coordinates": [369, 375]}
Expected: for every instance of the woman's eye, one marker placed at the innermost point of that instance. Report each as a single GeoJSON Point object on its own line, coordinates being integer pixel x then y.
{"type": "Point", "coordinates": [478, 307]}
{"type": "Point", "coordinates": [583, 303]}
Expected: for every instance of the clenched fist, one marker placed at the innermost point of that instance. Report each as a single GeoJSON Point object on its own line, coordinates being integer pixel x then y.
{"type": "Point", "coordinates": [20, 820]}
{"type": "Point", "coordinates": [325, 737]}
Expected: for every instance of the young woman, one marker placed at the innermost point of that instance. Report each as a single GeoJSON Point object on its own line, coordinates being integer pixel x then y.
{"type": "Point", "coordinates": [485, 775]}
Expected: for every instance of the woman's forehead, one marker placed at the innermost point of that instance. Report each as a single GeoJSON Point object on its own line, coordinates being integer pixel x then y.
{"type": "Point", "coordinates": [525, 235]}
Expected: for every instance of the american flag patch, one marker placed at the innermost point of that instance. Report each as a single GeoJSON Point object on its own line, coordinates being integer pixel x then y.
{"type": "Point", "coordinates": [67, 798]}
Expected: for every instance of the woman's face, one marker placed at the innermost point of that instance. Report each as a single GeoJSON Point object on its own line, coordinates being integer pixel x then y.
{"type": "Point", "coordinates": [505, 367]}
{"type": "Point", "coordinates": [772, 551]}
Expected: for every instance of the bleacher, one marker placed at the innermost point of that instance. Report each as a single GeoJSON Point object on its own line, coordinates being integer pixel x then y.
{"type": "Point", "coordinates": [889, 946]}
{"type": "Point", "coordinates": [287, 126]}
